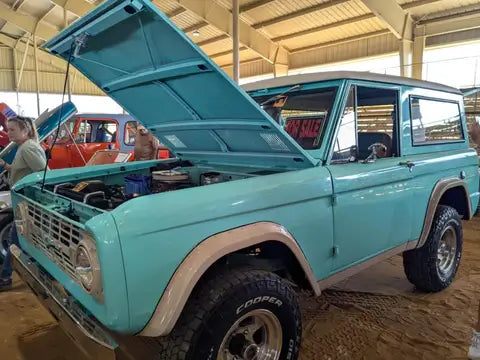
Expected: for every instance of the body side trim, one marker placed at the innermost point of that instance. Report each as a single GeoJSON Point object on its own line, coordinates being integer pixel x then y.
{"type": "Point", "coordinates": [341, 275]}
{"type": "Point", "coordinates": [440, 188]}
{"type": "Point", "coordinates": [204, 255]}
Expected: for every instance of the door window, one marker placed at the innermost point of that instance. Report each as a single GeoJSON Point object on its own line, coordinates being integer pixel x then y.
{"type": "Point", "coordinates": [97, 131]}
{"type": "Point", "coordinates": [368, 128]}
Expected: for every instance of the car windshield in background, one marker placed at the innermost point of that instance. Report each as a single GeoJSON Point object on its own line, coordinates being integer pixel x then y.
{"type": "Point", "coordinates": [303, 113]}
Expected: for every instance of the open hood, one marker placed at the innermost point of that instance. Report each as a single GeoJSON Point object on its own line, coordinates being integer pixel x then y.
{"type": "Point", "coordinates": [46, 123]}
{"type": "Point", "coordinates": [134, 53]}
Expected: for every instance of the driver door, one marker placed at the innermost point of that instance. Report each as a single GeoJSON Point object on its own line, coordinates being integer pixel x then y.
{"type": "Point", "coordinates": [372, 200]}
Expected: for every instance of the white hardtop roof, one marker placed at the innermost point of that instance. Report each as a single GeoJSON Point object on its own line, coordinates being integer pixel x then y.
{"type": "Point", "coordinates": [352, 75]}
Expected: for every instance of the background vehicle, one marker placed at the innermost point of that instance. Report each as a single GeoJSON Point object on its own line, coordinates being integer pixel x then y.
{"type": "Point", "coordinates": [5, 113]}
{"type": "Point", "coordinates": [85, 134]}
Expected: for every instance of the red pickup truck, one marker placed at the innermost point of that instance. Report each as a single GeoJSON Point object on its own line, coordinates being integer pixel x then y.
{"type": "Point", "coordinates": [5, 113]}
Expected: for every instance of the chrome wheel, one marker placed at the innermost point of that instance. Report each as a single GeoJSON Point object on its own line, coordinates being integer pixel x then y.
{"type": "Point", "coordinates": [447, 252]}
{"type": "Point", "coordinates": [255, 336]}
{"type": "Point", "coordinates": [4, 240]}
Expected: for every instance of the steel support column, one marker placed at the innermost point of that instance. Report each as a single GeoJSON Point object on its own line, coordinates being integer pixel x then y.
{"type": "Point", "coordinates": [69, 85]}
{"type": "Point", "coordinates": [236, 42]}
{"type": "Point", "coordinates": [405, 53]}
{"type": "Point", "coordinates": [37, 87]}
{"type": "Point", "coordinates": [19, 80]}
{"type": "Point", "coordinates": [417, 61]}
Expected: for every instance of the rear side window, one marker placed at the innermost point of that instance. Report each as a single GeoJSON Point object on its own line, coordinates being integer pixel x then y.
{"type": "Point", "coordinates": [435, 121]}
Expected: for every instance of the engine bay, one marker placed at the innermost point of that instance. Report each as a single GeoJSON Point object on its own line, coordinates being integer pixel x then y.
{"type": "Point", "coordinates": [103, 196]}
{"type": "Point", "coordinates": [107, 193]}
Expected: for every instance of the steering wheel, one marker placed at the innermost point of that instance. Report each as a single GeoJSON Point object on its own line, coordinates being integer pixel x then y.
{"type": "Point", "coordinates": [373, 148]}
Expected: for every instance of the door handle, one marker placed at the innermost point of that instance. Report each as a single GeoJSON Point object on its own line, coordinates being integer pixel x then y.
{"type": "Point", "coordinates": [408, 164]}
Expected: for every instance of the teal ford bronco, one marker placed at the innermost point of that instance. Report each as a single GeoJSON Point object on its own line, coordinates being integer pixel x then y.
{"type": "Point", "coordinates": [295, 182]}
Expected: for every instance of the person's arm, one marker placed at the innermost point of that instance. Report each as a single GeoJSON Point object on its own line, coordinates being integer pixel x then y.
{"type": "Point", "coordinates": [5, 165]}
{"type": "Point", "coordinates": [35, 158]}
{"type": "Point", "coordinates": [155, 146]}
{"type": "Point", "coordinates": [475, 133]}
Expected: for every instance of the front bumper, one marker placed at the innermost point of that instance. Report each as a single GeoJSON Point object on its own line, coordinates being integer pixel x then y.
{"type": "Point", "coordinates": [81, 327]}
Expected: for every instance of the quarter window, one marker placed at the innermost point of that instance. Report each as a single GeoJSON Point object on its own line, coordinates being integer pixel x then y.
{"type": "Point", "coordinates": [435, 121]}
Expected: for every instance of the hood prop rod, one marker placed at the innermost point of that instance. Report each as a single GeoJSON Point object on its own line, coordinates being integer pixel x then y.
{"type": "Point", "coordinates": [74, 49]}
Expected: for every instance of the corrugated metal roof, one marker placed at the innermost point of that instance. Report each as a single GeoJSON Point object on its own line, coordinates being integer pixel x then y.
{"type": "Point", "coordinates": [295, 24]}
{"type": "Point", "coordinates": [55, 17]}
{"type": "Point", "coordinates": [6, 58]}
{"type": "Point", "coordinates": [375, 46]}
{"type": "Point", "coordinates": [341, 32]}
{"type": "Point", "coordinates": [36, 8]}
{"type": "Point", "coordinates": [227, 59]}
{"type": "Point", "coordinates": [429, 10]}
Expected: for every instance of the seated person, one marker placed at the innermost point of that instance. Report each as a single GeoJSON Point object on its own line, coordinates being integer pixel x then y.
{"type": "Point", "coordinates": [103, 134]}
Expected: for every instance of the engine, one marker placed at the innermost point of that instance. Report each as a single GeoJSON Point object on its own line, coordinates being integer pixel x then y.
{"type": "Point", "coordinates": [107, 197]}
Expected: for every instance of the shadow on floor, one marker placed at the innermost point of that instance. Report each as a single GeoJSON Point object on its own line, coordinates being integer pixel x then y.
{"type": "Point", "coordinates": [49, 343]}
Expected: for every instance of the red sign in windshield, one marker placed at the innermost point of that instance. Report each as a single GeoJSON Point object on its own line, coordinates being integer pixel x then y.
{"type": "Point", "coordinates": [305, 130]}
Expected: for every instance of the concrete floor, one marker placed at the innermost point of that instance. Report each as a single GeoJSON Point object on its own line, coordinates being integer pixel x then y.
{"type": "Point", "coordinates": [374, 315]}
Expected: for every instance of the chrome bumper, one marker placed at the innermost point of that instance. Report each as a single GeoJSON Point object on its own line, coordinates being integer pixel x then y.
{"type": "Point", "coordinates": [82, 328]}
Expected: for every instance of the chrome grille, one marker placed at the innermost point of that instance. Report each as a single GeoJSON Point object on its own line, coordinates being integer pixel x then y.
{"type": "Point", "coordinates": [56, 238]}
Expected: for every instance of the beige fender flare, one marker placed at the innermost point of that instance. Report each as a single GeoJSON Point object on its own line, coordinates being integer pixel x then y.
{"type": "Point", "coordinates": [203, 256]}
{"type": "Point", "coordinates": [440, 188]}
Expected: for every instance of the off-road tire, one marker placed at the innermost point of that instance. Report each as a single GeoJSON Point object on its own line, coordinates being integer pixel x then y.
{"type": "Point", "coordinates": [421, 265]}
{"type": "Point", "coordinates": [6, 221]}
{"type": "Point", "coordinates": [219, 301]}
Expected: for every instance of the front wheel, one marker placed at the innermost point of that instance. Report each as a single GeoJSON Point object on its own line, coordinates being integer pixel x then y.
{"type": "Point", "coordinates": [6, 223]}
{"type": "Point", "coordinates": [237, 315]}
{"type": "Point", "coordinates": [433, 267]}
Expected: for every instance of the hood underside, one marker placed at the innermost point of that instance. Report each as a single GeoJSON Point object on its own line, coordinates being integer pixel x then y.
{"type": "Point", "coordinates": [134, 53]}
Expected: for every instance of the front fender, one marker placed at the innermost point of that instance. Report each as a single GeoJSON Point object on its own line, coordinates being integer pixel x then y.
{"type": "Point", "coordinates": [203, 256]}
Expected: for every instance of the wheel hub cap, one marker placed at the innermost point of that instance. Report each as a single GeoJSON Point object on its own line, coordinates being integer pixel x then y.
{"type": "Point", "coordinates": [255, 336]}
{"type": "Point", "coordinates": [4, 237]}
{"type": "Point", "coordinates": [251, 352]}
{"type": "Point", "coordinates": [447, 252]}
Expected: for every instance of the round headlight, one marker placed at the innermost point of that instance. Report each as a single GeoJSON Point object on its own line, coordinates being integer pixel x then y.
{"type": "Point", "coordinates": [83, 267]}
{"type": "Point", "coordinates": [21, 218]}
{"type": "Point", "coordinates": [87, 267]}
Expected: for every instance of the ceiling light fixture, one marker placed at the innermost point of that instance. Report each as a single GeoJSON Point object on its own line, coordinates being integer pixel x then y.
{"type": "Point", "coordinates": [196, 33]}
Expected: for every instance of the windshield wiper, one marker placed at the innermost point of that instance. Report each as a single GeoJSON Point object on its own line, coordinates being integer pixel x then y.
{"type": "Point", "coordinates": [276, 97]}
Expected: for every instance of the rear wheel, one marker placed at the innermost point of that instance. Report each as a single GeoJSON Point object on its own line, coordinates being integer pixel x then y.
{"type": "Point", "coordinates": [433, 267]}
{"type": "Point", "coordinates": [6, 223]}
{"type": "Point", "coordinates": [238, 315]}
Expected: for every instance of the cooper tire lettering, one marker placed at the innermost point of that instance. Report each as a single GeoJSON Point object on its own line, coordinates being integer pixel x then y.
{"type": "Point", "coordinates": [257, 300]}
{"type": "Point", "coordinates": [291, 344]}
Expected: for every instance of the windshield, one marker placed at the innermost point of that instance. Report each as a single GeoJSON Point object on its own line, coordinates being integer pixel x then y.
{"type": "Point", "coordinates": [303, 114]}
